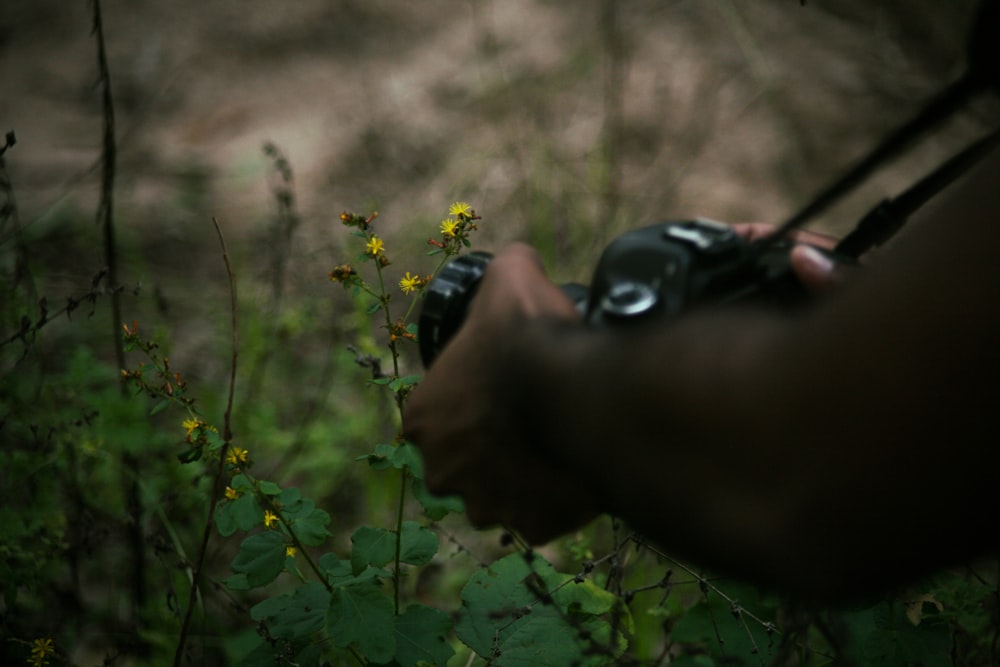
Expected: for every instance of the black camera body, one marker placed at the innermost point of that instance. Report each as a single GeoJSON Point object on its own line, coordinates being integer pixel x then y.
{"type": "Point", "coordinates": [657, 271]}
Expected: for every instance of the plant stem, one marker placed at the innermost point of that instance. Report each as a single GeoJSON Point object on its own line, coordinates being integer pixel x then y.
{"type": "Point", "coordinates": [227, 437]}
{"type": "Point", "coordinates": [105, 218]}
{"type": "Point", "coordinates": [399, 396]}
{"type": "Point", "coordinates": [399, 538]}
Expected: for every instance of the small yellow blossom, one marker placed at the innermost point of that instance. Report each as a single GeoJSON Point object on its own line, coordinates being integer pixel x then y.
{"type": "Point", "coordinates": [231, 493]}
{"type": "Point", "coordinates": [40, 652]}
{"type": "Point", "coordinates": [449, 228]}
{"type": "Point", "coordinates": [460, 209]}
{"type": "Point", "coordinates": [410, 283]}
{"type": "Point", "coordinates": [190, 425]}
{"type": "Point", "coordinates": [290, 551]}
{"type": "Point", "coordinates": [374, 246]}
{"type": "Point", "coordinates": [237, 455]}
{"type": "Point", "coordinates": [270, 519]}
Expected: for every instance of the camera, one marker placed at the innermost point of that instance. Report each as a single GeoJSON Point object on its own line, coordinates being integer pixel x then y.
{"type": "Point", "coordinates": [658, 271]}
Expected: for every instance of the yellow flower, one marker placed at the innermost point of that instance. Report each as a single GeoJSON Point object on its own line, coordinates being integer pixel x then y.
{"type": "Point", "coordinates": [231, 493]}
{"type": "Point", "coordinates": [374, 246]}
{"type": "Point", "coordinates": [449, 228]}
{"type": "Point", "coordinates": [460, 209]}
{"type": "Point", "coordinates": [237, 455]}
{"type": "Point", "coordinates": [190, 425]}
{"type": "Point", "coordinates": [270, 519]}
{"type": "Point", "coordinates": [410, 283]}
{"type": "Point", "coordinates": [40, 652]}
{"type": "Point", "coordinates": [290, 551]}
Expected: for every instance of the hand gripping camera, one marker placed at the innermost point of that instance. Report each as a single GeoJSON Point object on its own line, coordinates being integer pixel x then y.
{"type": "Point", "coordinates": [667, 268]}
{"type": "Point", "coordinates": [653, 272]}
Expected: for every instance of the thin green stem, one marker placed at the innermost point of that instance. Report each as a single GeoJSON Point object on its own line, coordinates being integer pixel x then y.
{"type": "Point", "coordinates": [399, 396]}
{"type": "Point", "coordinates": [396, 576]}
{"type": "Point", "coordinates": [216, 490]}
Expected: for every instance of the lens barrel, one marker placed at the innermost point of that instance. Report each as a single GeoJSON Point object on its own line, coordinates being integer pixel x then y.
{"type": "Point", "coordinates": [446, 301]}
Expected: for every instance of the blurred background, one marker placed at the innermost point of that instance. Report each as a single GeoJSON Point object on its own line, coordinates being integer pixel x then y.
{"type": "Point", "coordinates": [563, 122]}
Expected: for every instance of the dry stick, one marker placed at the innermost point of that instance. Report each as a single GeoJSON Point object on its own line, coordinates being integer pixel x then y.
{"type": "Point", "coordinates": [613, 43]}
{"type": "Point", "coordinates": [227, 436]}
{"type": "Point", "coordinates": [105, 218]}
{"type": "Point", "coordinates": [9, 212]}
{"type": "Point", "coordinates": [709, 586]}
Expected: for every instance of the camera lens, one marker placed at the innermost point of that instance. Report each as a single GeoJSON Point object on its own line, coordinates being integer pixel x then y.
{"type": "Point", "coordinates": [446, 300]}
{"type": "Point", "coordinates": [628, 299]}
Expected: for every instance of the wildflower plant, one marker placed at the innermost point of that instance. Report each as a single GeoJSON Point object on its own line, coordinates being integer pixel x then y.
{"type": "Point", "coordinates": [354, 605]}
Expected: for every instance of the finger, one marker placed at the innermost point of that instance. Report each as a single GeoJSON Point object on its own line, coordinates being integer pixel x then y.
{"type": "Point", "coordinates": [814, 269]}
{"type": "Point", "coordinates": [752, 231]}
{"type": "Point", "coordinates": [755, 231]}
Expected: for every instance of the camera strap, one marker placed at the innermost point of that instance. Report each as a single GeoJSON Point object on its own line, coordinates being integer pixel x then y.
{"type": "Point", "coordinates": [983, 73]}
{"type": "Point", "coordinates": [885, 219]}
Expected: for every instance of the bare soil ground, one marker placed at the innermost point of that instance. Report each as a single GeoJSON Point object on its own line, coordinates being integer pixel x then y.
{"type": "Point", "coordinates": [613, 113]}
{"type": "Point", "coordinates": [563, 122]}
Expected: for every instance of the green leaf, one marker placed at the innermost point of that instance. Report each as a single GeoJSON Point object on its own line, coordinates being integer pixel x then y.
{"type": "Point", "coordinates": [190, 455]}
{"type": "Point", "coordinates": [246, 511]}
{"type": "Point", "coordinates": [269, 488]}
{"type": "Point", "coordinates": [371, 546]}
{"type": "Point", "coordinates": [261, 558]}
{"type": "Point", "coordinates": [373, 308]}
{"type": "Point", "coordinates": [159, 407]}
{"type": "Point", "coordinates": [401, 456]}
{"type": "Point", "coordinates": [419, 544]}
{"type": "Point", "coordinates": [297, 615]}
{"type": "Point", "coordinates": [214, 440]}
{"type": "Point", "coordinates": [381, 458]}
{"type": "Point", "coordinates": [421, 635]}
{"type": "Point", "coordinates": [339, 572]}
{"type": "Point", "coordinates": [310, 527]}
{"type": "Point", "coordinates": [225, 522]}
{"type": "Point", "coordinates": [402, 382]}
{"type": "Point", "coordinates": [436, 507]}
{"type": "Point", "coordinates": [361, 615]}
{"type": "Point", "coordinates": [727, 634]}
{"type": "Point", "coordinates": [308, 522]}
{"type": "Point", "coordinates": [501, 611]}
{"type": "Point", "coordinates": [289, 497]}
{"type": "Point", "coordinates": [241, 483]}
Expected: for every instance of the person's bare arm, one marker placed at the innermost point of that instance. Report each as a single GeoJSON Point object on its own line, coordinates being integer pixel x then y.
{"type": "Point", "coordinates": [819, 454]}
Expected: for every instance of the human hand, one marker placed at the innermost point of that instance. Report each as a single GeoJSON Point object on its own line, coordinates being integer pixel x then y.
{"type": "Point", "coordinates": [814, 269]}
{"type": "Point", "coordinates": [463, 415]}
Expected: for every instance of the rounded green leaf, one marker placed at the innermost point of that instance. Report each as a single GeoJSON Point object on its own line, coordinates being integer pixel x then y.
{"type": "Point", "coordinates": [297, 615]}
{"type": "Point", "coordinates": [372, 546]}
{"type": "Point", "coordinates": [421, 636]}
{"type": "Point", "coordinates": [361, 615]}
{"type": "Point", "coordinates": [261, 558]}
{"type": "Point", "coordinates": [503, 614]}
{"type": "Point", "coordinates": [419, 544]}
